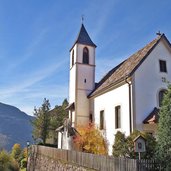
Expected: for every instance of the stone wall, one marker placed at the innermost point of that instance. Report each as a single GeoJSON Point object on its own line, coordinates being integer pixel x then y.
{"type": "Point", "coordinates": [43, 163]}
{"type": "Point", "coordinates": [38, 161]}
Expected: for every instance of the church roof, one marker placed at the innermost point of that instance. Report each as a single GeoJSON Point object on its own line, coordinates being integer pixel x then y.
{"type": "Point", "coordinates": [83, 38]}
{"type": "Point", "coordinates": [153, 117]}
{"type": "Point", "coordinates": [126, 68]}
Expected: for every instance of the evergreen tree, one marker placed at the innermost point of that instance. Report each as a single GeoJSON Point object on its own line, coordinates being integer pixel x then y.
{"type": "Point", "coordinates": [16, 152]}
{"type": "Point", "coordinates": [163, 151]}
{"type": "Point", "coordinates": [119, 146]}
{"type": "Point", "coordinates": [41, 121]}
{"type": "Point", "coordinates": [57, 116]}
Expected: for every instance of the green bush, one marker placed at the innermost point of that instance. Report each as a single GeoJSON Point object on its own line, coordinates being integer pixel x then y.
{"type": "Point", "coordinates": [24, 163]}
{"type": "Point", "coordinates": [5, 160]}
{"type": "Point", "coordinates": [120, 146]}
{"type": "Point", "coordinates": [124, 146]}
{"type": "Point", "coordinates": [13, 166]}
{"type": "Point", "coordinates": [163, 149]}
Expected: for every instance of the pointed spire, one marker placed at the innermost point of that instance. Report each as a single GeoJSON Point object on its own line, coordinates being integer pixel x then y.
{"type": "Point", "coordinates": [84, 38]}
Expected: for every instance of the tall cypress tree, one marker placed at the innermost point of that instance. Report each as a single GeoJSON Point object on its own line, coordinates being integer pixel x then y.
{"type": "Point", "coordinates": [163, 151]}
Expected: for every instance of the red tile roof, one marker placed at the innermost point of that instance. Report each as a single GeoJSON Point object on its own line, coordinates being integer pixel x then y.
{"type": "Point", "coordinates": [126, 68]}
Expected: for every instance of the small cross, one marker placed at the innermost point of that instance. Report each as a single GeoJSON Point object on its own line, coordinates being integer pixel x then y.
{"type": "Point", "coordinates": [158, 33]}
{"type": "Point", "coordinates": [82, 19]}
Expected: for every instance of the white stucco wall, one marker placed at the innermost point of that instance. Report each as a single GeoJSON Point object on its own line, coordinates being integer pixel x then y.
{"type": "Point", "coordinates": [108, 102]}
{"type": "Point", "coordinates": [72, 85]}
{"type": "Point", "coordinates": [72, 76]}
{"type": "Point", "coordinates": [59, 140]}
{"type": "Point", "coordinates": [82, 107]}
{"type": "Point", "coordinates": [85, 77]}
{"type": "Point", "coordinates": [72, 117]}
{"type": "Point", "coordinates": [84, 88]}
{"type": "Point", "coordinates": [148, 82]}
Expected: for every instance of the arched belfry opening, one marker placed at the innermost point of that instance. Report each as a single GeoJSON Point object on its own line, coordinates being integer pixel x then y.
{"type": "Point", "coordinates": [85, 56]}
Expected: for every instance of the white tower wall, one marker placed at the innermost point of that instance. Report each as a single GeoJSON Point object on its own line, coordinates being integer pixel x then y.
{"type": "Point", "coordinates": [82, 82]}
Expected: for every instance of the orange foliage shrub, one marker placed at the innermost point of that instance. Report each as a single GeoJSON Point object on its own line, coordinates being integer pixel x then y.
{"type": "Point", "coordinates": [90, 140]}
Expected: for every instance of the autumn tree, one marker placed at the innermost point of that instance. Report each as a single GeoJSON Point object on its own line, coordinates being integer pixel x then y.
{"type": "Point", "coordinates": [16, 152]}
{"type": "Point", "coordinates": [11, 161]}
{"type": "Point", "coordinates": [14, 165]}
{"type": "Point", "coordinates": [24, 153]}
{"type": "Point", "coordinates": [90, 140]}
{"type": "Point", "coordinates": [163, 150]}
{"type": "Point", "coordinates": [5, 160]}
{"type": "Point", "coordinates": [41, 121]}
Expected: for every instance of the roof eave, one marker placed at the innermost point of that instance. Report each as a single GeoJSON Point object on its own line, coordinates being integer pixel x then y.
{"type": "Point", "coordinates": [106, 89]}
{"type": "Point", "coordinates": [81, 44]}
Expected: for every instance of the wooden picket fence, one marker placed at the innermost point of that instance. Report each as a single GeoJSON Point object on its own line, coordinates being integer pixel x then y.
{"type": "Point", "coordinates": [97, 162]}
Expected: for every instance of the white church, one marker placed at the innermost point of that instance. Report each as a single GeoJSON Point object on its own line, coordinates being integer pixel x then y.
{"type": "Point", "coordinates": [127, 98]}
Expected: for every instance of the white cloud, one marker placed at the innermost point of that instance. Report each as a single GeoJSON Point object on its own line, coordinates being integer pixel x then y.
{"type": "Point", "coordinates": [27, 109]}
{"type": "Point", "coordinates": [29, 51]}
{"type": "Point", "coordinates": [30, 80]}
{"type": "Point", "coordinates": [102, 16]}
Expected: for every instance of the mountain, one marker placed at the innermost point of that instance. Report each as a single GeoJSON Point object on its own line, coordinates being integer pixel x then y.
{"type": "Point", "coordinates": [15, 127]}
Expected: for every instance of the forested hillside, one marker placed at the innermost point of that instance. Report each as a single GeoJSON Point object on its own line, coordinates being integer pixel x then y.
{"type": "Point", "coordinates": [15, 126]}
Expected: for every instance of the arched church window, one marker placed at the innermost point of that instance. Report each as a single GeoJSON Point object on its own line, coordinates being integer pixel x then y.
{"type": "Point", "coordinates": [161, 95]}
{"type": "Point", "coordinates": [72, 57]}
{"type": "Point", "coordinates": [85, 56]}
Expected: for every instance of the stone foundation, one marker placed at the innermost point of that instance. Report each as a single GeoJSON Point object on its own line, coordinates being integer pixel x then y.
{"type": "Point", "coordinates": [40, 162]}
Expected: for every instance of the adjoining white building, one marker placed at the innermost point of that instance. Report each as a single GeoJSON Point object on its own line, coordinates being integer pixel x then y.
{"type": "Point", "coordinates": [127, 98]}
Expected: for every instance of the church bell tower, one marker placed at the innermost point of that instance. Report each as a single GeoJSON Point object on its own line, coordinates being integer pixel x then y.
{"type": "Point", "coordinates": [82, 78]}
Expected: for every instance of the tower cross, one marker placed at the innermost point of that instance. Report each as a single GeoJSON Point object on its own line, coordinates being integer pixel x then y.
{"type": "Point", "coordinates": [82, 18]}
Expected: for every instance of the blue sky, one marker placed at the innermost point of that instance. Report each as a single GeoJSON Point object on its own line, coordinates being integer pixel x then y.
{"type": "Point", "coordinates": [36, 35]}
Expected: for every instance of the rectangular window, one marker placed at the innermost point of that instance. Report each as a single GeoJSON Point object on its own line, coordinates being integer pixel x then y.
{"type": "Point", "coordinates": [163, 67]}
{"type": "Point", "coordinates": [101, 119]}
{"type": "Point", "coordinates": [118, 117]}
{"type": "Point", "coordinates": [90, 118]}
